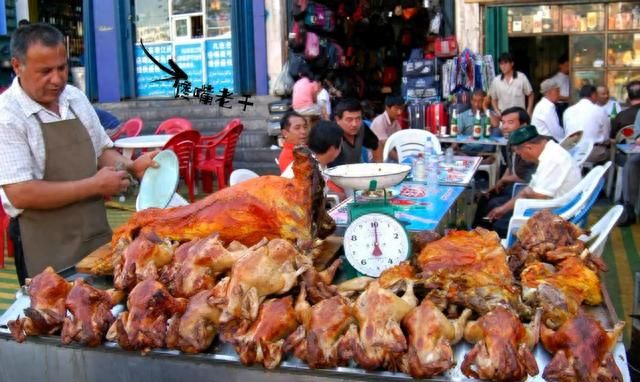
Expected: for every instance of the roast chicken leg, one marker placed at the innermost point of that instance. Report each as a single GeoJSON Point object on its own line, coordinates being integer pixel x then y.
{"type": "Point", "coordinates": [581, 351]}
{"type": "Point", "coordinates": [140, 260]}
{"type": "Point", "coordinates": [502, 350]}
{"type": "Point", "coordinates": [90, 313]}
{"type": "Point", "coordinates": [48, 292]}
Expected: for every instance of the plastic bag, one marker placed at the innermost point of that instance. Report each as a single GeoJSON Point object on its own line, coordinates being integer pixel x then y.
{"type": "Point", "coordinates": [283, 84]}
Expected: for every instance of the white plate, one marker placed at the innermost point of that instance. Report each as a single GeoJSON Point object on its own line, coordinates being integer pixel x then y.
{"type": "Point", "coordinates": [159, 184]}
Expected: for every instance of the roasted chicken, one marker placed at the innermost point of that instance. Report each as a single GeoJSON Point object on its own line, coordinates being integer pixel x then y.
{"type": "Point", "coordinates": [263, 340]}
{"type": "Point", "coordinates": [266, 269]}
{"type": "Point", "coordinates": [377, 339]}
{"type": "Point", "coordinates": [197, 264]}
{"type": "Point", "coordinates": [560, 290]}
{"type": "Point", "coordinates": [140, 260]}
{"type": "Point", "coordinates": [322, 327]}
{"type": "Point", "coordinates": [194, 330]}
{"type": "Point", "coordinates": [265, 207]}
{"type": "Point", "coordinates": [318, 283]}
{"type": "Point", "coordinates": [91, 314]}
{"type": "Point", "coordinates": [502, 350]}
{"type": "Point", "coordinates": [581, 351]}
{"type": "Point", "coordinates": [430, 337]}
{"type": "Point", "coordinates": [545, 237]}
{"type": "Point", "coordinates": [144, 325]}
{"type": "Point", "coordinates": [45, 315]}
{"type": "Point", "coordinates": [469, 268]}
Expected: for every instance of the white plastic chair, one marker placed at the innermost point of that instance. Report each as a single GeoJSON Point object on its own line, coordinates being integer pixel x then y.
{"type": "Point", "coordinates": [571, 140]}
{"type": "Point", "coordinates": [600, 231]}
{"type": "Point", "coordinates": [580, 152]}
{"type": "Point", "coordinates": [409, 142]}
{"type": "Point", "coordinates": [567, 206]}
{"type": "Point", "coordinates": [240, 175]}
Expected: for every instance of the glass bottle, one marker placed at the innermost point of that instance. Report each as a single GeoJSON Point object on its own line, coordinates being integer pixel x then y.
{"type": "Point", "coordinates": [454, 124]}
{"type": "Point", "coordinates": [477, 126]}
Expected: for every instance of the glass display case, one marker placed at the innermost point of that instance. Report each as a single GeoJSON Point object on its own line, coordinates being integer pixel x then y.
{"type": "Point", "coordinates": [533, 19]}
{"type": "Point", "coordinates": [218, 17]}
{"type": "Point", "coordinates": [618, 79]}
{"type": "Point", "coordinates": [583, 18]}
{"type": "Point", "coordinates": [588, 51]}
{"type": "Point", "coordinates": [624, 16]}
{"type": "Point", "coordinates": [623, 49]}
{"type": "Point", "coordinates": [152, 21]}
{"type": "Point", "coordinates": [580, 78]}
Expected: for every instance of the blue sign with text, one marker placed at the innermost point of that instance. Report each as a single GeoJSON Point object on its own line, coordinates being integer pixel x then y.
{"type": "Point", "coordinates": [219, 64]}
{"type": "Point", "coordinates": [189, 58]}
{"type": "Point", "coordinates": [147, 71]}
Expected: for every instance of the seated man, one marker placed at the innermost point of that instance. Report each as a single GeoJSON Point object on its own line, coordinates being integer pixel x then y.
{"type": "Point", "coordinates": [467, 119]}
{"type": "Point", "coordinates": [588, 117]}
{"type": "Point", "coordinates": [388, 123]}
{"type": "Point", "coordinates": [557, 173]}
{"type": "Point", "coordinates": [544, 115]}
{"type": "Point", "coordinates": [295, 131]}
{"type": "Point", "coordinates": [630, 184]}
{"type": "Point", "coordinates": [325, 140]}
{"type": "Point", "coordinates": [518, 170]}
{"type": "Point", "coordinates": [109, 122]}
{"type": "Point", "coordinates": [355, 135]}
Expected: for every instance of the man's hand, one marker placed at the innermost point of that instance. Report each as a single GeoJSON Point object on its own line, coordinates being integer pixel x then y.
{"type": "Point", "coordinates": [144, 161]}
{"type": "Point", "coordinates": [496, 213]}
{"type": "Point", "coordinates": [109, 181]}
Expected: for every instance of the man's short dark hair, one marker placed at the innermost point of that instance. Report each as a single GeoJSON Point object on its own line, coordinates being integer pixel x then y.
{"type": "Point", "coordinates": [394, 100]}
{"type": "Point", "coordinates": [30, 34]}
{"type": "Point", "coordinates": [562, 59]}
{"type": "Point", "coordinates": [347, 104]}
{"type": "Point", "coordinates": [523, 116]}
{"type": "Point", "coordinates": [633, 90]}
{"type": "Point", "coordinates": [505, 57]}
{"type": "Point", "coordinates": [587, 91]}
{"type": "Point", "coordinates": [323, 136]}
{"type": "Point", "coordinates": [285, 123]}
{"type": "Point", "coordinates": [479, 92]}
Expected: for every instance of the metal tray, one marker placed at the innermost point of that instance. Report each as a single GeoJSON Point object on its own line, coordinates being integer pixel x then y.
{"type": "Point", "coordinates": [225, 353]}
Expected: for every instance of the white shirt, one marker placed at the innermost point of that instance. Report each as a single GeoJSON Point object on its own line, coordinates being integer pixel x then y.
{"type": "Point", "coordinates": [323, 100]}
{"type": "Point", "coordinates": [22, 156]}
{"type": "Point", "coordinates": [588, 117]}
{"type": "Point", "coordinates": [608, 107]}
{"type": "Point", "coordinates": [511, 92]}
{"type": "Point", "coordinates": [382, 126]}
{"type": "Point", "coordinates": [545, 119]}
{"type": "Point", "coordinates": [562, 80]}
{"type": "Point", "coordinates": [557, 172]}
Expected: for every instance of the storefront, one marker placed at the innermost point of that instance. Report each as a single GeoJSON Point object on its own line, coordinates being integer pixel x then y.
{"type": "Point", "coordinates": [601, 39]}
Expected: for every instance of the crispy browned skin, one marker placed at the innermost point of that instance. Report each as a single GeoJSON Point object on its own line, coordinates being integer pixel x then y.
{"type": "Point", "coordinates": [264, 207]}
{"type": "Point", "coordinates": [265, 269]}
{"type": "Point", "coordinates": [45, 315]}
{"type": "Point", "coordinates": [194, 331]}
{"type": "Point", "coordinates": [582, 351]}
{"type": "Point", "coordinates": [316, 340]}
{"type": "Point", "coordinates": [470, 268]}
{"type": "Point", "coordinates": [197, 264]}
{"type": "Point", "coordinates": [560, 290]}
{"type": "Point", "coordinates": [430, 337]}
{"type": "Point", "coordinates": [502, 349]}
{"type": "Point", "coordinates": [91, 313]}
{"type": "Point", "coordinates": [318, 283]}
{"type": "Point", "coordinates": [141, 260]}
{"type": "Point", "coordinates": [144, 325]}
{"type": "Point", "coordinates": [377, 339]}
{"type": "Point", "coordinates": [263, 340]}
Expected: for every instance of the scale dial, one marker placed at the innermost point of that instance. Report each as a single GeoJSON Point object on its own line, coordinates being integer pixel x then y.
{"type": "Point", "coordinates": [374, 242]}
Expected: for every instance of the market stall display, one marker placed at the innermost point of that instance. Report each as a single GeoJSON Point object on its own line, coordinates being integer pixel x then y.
{"type": "Point", "coordinates": [271, 302]}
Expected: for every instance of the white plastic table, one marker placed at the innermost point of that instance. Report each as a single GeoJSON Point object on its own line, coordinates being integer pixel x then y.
{"type": "Point", "coordinates": [130, 144]}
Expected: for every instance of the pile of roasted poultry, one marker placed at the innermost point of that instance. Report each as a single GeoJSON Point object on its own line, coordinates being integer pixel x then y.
{"type": "Point", "coordinates": [252, 277]}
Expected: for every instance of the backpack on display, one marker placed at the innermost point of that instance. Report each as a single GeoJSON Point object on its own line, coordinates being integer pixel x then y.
{"type": "Point", "coordinates": [311, 46]}
{"type": "Point", "coordinates": [297, 64]}
{"type": "Point", "coordinates": [320, 17]}
{"type": "Point", "coordinates": [335, 54]}
{"type": "Point", "coordinates": [297, 36]}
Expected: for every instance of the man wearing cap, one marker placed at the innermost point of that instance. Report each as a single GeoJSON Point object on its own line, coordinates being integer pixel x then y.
{"type": "Point", "coordinates": [557, 173]}
{"type": "Point", "coordinates": [388, 122]}
{"type": "Point", "coordinates": [544, 115]}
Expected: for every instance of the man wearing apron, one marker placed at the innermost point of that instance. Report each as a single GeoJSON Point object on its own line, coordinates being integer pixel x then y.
{"type": "Point", "coordinates": [51, 146]}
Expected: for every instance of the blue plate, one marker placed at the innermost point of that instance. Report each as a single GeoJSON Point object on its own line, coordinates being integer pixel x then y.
{"type": "Point", "coordinates": [159, 184]}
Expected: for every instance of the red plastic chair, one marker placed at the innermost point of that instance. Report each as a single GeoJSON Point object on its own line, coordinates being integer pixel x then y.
{"type": "Point", "coordinates": [4, 236]}
{"type": "Point", "coordinates": [215, 155]}
{"type": "Point", "coordinates": [174, 126]}
{"type": "Point", "coordinates": [131, 128]}
{"type": "Point", "coordinates": [184, 145]}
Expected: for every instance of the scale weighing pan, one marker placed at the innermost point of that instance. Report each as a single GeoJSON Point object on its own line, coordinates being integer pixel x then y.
{"type": "Point", "coordinates": [358, 176]}
{"type": "Point", "coordinates": [159, 184]}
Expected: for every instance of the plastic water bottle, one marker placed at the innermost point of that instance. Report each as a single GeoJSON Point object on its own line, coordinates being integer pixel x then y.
{"type": "Point", "coordinates": [431, 163]}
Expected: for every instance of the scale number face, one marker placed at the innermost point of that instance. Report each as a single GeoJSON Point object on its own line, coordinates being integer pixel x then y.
{"type": "Point", "coordinates": [375, 242]}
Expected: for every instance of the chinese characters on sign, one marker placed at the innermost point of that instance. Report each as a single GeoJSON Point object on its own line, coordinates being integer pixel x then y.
{"type": "Point", "coordinates": [219, 63]}
{"type": "Point", "coordinates": [206, 95]}
{"type": "Point", "coordinates": [147, 72]}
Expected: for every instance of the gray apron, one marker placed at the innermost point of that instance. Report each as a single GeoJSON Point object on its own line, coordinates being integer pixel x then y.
{"type": "Point", "coordinates": [63, 236]}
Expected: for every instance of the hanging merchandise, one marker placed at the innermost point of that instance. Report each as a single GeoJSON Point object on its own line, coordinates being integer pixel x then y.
{"type": "Point", "coordinates": [436, 117]}
{"type": "Point", "coordinates": [434, 26]}
{"type": "Point", "coordinates": [312, 46]}
{"type": "Point", "coordinates": [446, 46]}
{"type": "Point", "coordinates": [467, 72]}
{"type": "Point", "coordinates": [283, 84]}
{"type": "Point", "coordinates": [297, 36]}
{"type": "Point", "coordinates": [320, 17]}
